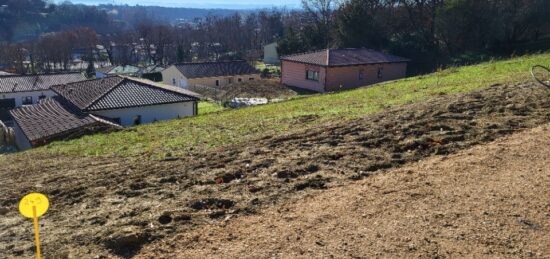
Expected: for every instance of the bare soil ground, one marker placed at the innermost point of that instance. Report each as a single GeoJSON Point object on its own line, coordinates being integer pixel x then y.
{"type": "Point", "coordinates": [491, 200]}
{"type": "Point", "coordinates": [111, 207]}
{"type": "Point", "coordinates": [265, 88]}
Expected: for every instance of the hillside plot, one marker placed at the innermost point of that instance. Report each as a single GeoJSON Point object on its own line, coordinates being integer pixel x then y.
{"type": "Point", "coordinates": [487, 201]}
{"type": "Point", "coordinates": [114, 207]}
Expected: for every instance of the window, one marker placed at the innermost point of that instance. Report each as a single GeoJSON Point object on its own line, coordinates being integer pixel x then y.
{"type": "Point", "coordinates": [380, 72]}
{"type": "Point", "coordinates": [27, 100]}
{"type": "Point", "coordinates": [361, 74]}
{"type": "Point", "coordinates": [312, 75]}
{"type": "Point", "coordinates": [240, 80]}
{"type": "Point", "coordinates": [137, 120]}
{"type": "Point", "coordinates": [217, 82]}
{"type": "Point", "coordinates": [173, 81]}
{"type": "Point", "coordinates": [41, 97]}
{"type": "Point", "coordinates": [230, 80]}
{"type": "Point", "coordinates": [251, 79]}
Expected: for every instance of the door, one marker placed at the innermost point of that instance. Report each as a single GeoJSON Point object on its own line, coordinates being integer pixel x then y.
{"type": "Point", "coordinates": [5, 106]}
{"type": "Point", "coordinates": [7, 103]}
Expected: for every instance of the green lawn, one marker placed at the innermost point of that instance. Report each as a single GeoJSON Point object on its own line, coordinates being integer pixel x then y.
{"type": "Point", "coordinates": [206, 107]}
{"type": "Point", "coordinates": [215, 126]}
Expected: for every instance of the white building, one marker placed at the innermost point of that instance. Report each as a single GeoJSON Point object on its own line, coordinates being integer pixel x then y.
{"type": "Point", "coordinates": [128, 102]}
{"type": "Point", "coordinates": [212, 74]}
{"type": "Point", "coordinates": [99, 105]}
{"type": "Point", "coordinates": [16, 90]}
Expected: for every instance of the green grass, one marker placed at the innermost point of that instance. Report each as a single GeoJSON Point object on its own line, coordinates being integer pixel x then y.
{"type": "Point", "coordinates": [215, 127]}
{"type": "Point", "coordinates": [206, 107]}
{"type": "Point", "coordinates": [260, 66]}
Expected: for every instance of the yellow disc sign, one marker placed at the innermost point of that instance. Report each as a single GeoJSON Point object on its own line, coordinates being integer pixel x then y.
{"type": "Point", "coordinates": [34, 205]}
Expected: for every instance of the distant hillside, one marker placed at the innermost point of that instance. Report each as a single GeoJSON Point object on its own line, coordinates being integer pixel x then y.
{"type": "Point", "coordinates": [165, 14]}
{"type": "Point", "coordinates": [22, 20]}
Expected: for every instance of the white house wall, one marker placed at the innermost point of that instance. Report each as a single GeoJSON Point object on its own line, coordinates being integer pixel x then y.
{"type": "Point", "coordinates": [21, 140]}
{"type": "Point", "coordinates": [171, 75]}
{"type": "Point", "coordinates": [18, 96]}
{"type": "Point", "coordinates": [149, 113]}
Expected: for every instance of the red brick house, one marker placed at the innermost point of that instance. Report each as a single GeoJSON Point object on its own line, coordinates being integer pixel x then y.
{"type": "Point", "coordinates": [338, 69]}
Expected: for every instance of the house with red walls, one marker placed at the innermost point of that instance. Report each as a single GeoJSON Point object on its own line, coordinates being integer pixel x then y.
{"type": "Point", "coordinates": [332, 70]}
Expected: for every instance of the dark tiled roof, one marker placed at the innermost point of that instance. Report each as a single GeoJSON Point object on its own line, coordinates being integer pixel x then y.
{"type": "Point", "coordinates": [344, 57]}
{"type": "Point", "coordinates": [52, 118]}
{"type": "Point", "coordinates": [10, 84]}
{"type": "Point", "coordinates": [120, 92]}
{"type": "Point", "coordinates": [213, 69]}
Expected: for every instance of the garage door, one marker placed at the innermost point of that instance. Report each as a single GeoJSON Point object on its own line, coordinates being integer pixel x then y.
{"type": "Point", "coordinates": [7, 103]}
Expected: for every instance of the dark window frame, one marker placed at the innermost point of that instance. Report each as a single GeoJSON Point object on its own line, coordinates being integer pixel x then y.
{"type": "Point", "coordinates": [312, 75]}
{"type": "Point", "coordinates": [26, 100]}
{"type": "Point", "coordinates": [380, 70]}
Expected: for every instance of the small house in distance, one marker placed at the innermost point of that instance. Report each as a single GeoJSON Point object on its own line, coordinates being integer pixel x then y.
{"type": "Point", "coordinates": [338, 69]}
{"type": "Point", "coordinates": [126, 70]}
{"type": "Point", "coordinates": [212, 74]}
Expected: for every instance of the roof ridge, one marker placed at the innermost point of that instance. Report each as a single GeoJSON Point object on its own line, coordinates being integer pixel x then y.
{"type": "Point", "coordinates": [101, 96]}
{"type": "Point", "coordinates": [303, 53]}
{"type": "Point", "coordinates": [209, 62]}
{"type": "Point", "coordinates": [159, 86]}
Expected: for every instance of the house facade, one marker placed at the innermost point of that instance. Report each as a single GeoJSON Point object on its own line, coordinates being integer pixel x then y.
{"type": "Point", "coordinates": [16, 91]}
{"type": "Point", "coordinates": [340, 69]}
{"type": "Point", "coordinates": [212, 74]}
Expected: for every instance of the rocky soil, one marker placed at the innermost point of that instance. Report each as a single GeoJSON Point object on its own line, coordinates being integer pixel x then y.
{"type": "Point", "coordinates": [112, 207]}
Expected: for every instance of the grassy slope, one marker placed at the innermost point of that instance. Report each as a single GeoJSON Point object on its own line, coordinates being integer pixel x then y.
{"type": "Point", "coordinates": [215, 127]}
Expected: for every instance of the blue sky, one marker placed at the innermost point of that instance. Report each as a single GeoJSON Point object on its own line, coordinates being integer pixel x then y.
{"type": "Point", "coordinates": [232, 4]}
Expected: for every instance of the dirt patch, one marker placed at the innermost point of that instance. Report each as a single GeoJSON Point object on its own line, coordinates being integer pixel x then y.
{"type": "Point", "coordinates": [490, 201]}
{"type": "Point", "coordinates": [265, 88]}
{"type": "Point", "coordinates": [94, 198]}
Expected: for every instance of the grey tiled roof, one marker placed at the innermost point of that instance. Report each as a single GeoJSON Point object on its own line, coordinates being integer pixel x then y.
{"type": "Point", "coordinates": [344, 57]}
{"type": "Point", "coordinates": [120, 92]}
{"type": "Point", "coordinates": [25, 83]}
{"type": "Point", "coordinates": [213, 69]}
{"type": "Point", "coordinates": [52, 118]}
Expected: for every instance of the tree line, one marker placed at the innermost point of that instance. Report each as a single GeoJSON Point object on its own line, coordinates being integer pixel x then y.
{"type": "Point", "coordinates": [432, 33]}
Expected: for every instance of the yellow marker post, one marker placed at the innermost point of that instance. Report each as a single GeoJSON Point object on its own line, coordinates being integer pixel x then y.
{"type": "Point", "coordinates": [34, 205]}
